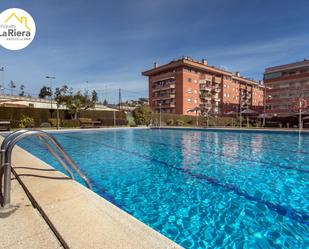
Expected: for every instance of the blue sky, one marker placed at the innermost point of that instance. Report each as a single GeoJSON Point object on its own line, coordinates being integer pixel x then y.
{"type": "Point", "coordinates": [109, 43]}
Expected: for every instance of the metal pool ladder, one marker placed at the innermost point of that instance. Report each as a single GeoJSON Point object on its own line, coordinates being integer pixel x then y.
{"type": "Point", "coordinates": [6, 160]}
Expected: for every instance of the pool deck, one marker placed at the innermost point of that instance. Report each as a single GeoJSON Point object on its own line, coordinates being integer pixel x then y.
{"type": "Point", "coordinates": [65, 214]}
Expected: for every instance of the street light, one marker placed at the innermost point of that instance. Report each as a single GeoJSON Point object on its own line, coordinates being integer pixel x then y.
{"type": "Point", "coordinates": [51, 92]}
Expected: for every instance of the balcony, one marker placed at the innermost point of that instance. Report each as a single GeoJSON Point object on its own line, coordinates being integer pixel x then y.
{"type": "Point", "coordinates": [216, 79]}
{"type": "Point", "coordinates": [208, 77]}
{"type": "Point", "coordinates": [205, 88]}
{"type": "Point", "coordinates": [216, 99]}
{"type": "Point", "coordinates": [216, 89]}
{"type": "Point", "coordinates": [164, 87]}
{"type": "Point", "coordinates": [205, 105]}
{"type": "Point", "coordinates": [165, 96]}
{"type": "Point", "coordinates": [206, 96]}
{"type": "Point", "coordinates": [166, 105]}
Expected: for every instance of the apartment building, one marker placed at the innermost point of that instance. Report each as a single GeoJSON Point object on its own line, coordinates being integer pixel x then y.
{"type": "Point", "coordinates": [185, 84]}
{"type": "Point", "coordinates": [284, 84]}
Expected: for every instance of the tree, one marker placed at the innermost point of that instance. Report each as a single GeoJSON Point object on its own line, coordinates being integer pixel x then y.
{"type": "Point", "coordinates": [94, 96]}
{"type": "Point", "coordinates": [76, 103]}
{"type": "Point", "coordinates": [12, 85]}
{"type": "Point", "coordinates": [61, 94]}
{"type": "Point", "coordinates": [105, 102]}
{"type": "Point", "coordinates": [142, 115]}
{"type": "Point", "coordinates": [44, 92]}
{"type": "Point", "coordinates": [22, 92]}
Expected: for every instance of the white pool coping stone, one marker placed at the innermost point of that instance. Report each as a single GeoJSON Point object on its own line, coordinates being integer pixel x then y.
{"type": "Point", "coordinates": [79, 217]}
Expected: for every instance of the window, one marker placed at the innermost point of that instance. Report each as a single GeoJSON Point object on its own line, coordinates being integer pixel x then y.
{"type": "Point", "coordinates": [195, 81]}
{"type": "Point", "coordinates": [224, 85]}
{"type": "Point", "coordinates": [189, 80]}
{"type": "Point", "coordinates": [224, 94]}
{"type": "Point", "coordinates": [195, 91]}
{"type": "Point", "coordinates": [195, 101]}
{"type": "Point", "coordinates": [189, 90]}
{"type": "Point", "coordinates": [189, 100]}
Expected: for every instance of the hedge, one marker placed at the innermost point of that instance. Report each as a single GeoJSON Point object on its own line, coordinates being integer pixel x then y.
{"type": "Point", "coordinates": [43, 115]}
{"type": "Point", "coordinates": [188, 120]}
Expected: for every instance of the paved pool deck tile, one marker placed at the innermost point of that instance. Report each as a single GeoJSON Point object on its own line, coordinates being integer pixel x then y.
{"type": "Point", "coordinates": [22, 226]}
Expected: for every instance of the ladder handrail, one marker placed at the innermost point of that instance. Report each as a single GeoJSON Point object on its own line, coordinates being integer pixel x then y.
{"type": "Point", "coordinates": [11, 136]}
{"type": "Point", "coordinates": [8, 138]}
{"type": "Point", "coordinates": [6, 156]}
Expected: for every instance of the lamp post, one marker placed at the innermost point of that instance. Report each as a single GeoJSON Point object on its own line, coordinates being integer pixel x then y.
{"type": "Point", "coordinates": [51, 92]}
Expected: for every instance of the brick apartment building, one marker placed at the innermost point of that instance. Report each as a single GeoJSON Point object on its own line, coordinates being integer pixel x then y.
{"type": "Point", "coordinates": [184, 84]}
{"type": "Point", "coordinates": [284, 84]}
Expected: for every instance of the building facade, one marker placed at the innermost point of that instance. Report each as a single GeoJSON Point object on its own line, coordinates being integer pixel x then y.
{"type": "Point", "coordinates": [284, 84]}
{"type": "Point", "coordinates": [185, 84]}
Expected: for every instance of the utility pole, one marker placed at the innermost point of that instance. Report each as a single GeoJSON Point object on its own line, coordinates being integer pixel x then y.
{"type": "Point", "coordinates": [119, 99]}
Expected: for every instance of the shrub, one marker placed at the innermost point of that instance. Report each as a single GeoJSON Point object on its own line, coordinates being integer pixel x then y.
{"type": "Point", "coordinates": [26, 122]}
{"type": "Point", "coordinates": [191, 122]}
{"type": "Point", "coordinates": [180, 122]}
{"type": "Point", "coordinates": [69, 123]}
{"type": "Point", "coordinates": [53, 122]}
{"type": "Point", "coordinates": [170, 121]}
{"type": "Point", "coordinates": [142, 115]}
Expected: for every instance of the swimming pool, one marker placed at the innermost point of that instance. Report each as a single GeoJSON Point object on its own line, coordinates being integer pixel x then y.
{"type": "Point", "coordinates": [202, 189]}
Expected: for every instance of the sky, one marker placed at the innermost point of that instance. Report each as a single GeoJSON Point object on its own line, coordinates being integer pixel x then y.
{"type": "Point", "coordinates": [109, 43]}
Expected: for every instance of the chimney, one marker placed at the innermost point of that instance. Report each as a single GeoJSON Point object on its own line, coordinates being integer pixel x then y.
{"type": "Point", "coordinates": [155, 65]}
{"type": "Point", "coordinates": [205, 62]}
{"type": "Point", "coordinates": [237, 74]}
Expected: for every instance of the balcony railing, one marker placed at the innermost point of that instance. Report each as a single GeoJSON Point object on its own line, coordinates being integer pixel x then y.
{"type": "Point", "coordinates": [165, 96]}
{"type": "Point", "coordinates": [166, 105]}
{"type": "Point", "coordinates": [164, 87]}
{"type": "Point", "coordinates": [205, 88]}
{"type": "Point", "coordinates": [216, 79]}
{"type": "Point", "coordinates": [216, 89]}
{"type": "Point", "coordinates": [205, 96]}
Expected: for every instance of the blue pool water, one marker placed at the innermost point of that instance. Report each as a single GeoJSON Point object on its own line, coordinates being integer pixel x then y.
{"type": "Point", "coordinates": [211, 189]}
